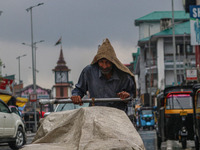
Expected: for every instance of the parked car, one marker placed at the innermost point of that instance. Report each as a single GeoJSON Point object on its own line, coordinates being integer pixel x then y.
{"type": "Point", "coordinates": [69, 106]}
{"type": "Point", "coordinates": [12, 130]}
{"type": "Point", "coordinates": [66, 106]}
{"type": "Point", "coordinates": [63, 107]}
{"type": "Point", "coordinates": [15, 110]}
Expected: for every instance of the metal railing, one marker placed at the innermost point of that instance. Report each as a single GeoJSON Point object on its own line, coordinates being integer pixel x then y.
{"type": "Point", "coordinates": [89, 100]}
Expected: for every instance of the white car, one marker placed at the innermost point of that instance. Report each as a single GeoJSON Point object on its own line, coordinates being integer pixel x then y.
{"type": "Point", "coordinates": [67, 106]}
{"type": "Point", "coordinates": [12, 130]}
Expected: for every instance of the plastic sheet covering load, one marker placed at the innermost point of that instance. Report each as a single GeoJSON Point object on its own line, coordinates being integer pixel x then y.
{"type": "Point", "coordinates": [88, 128]}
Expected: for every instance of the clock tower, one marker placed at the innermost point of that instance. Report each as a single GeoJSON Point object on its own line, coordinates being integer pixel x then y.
{"type": "Point", "coordinates": [62, 85]}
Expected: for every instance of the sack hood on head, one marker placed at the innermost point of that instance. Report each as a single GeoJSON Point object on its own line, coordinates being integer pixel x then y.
{"type": "Point", "coordinates": [106, 51]}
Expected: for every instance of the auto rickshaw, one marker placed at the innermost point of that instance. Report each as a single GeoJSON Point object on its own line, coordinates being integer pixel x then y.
{"type": "Point", "coordinates": [146, 117]}
{"type": "Point", "coordinates": [175, 115]}
{"type": "Point", "coordinates": [196, 114]}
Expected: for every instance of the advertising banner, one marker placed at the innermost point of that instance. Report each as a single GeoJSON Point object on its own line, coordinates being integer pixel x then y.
{"type": "Point", "coordinates": [195, 24]}
{"type": "Point", "coordinates": [5, 84]}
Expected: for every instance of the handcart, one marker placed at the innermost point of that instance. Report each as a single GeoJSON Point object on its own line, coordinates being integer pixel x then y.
{"type": "Point", "coordinates": [92, 101]}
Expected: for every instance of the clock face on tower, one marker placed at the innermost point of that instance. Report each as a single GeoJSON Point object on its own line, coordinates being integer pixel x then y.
{"type": "Point", "coordinates": [61, 77]}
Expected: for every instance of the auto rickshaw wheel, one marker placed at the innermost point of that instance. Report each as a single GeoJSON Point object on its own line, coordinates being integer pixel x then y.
{"type": "Point", "coordinates": [159, 142]}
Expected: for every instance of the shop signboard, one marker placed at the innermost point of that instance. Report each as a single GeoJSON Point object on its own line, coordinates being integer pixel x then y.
{"type": "Point", "coordinates": [195, 24]}
{"type": "Point", "coordinates": [191, 74]}
{"type": "Point", "coordinates": [33, 97]}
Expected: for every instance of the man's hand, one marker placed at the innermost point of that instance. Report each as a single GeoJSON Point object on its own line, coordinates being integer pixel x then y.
{"type": "Point", "coordinates": [76, 100]}
{"type": "Point", "coordinates": [123, 95]}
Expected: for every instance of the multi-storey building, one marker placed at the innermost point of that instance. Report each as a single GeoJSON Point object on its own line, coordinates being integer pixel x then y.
{"type": "Point", "coordinates": [156, 61]}
{"type": "Point", "coordinates": [134, 64]}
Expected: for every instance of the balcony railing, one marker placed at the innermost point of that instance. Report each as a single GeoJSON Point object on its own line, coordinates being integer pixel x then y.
{"type": "Point", "coordinates": [170, 57]}
{"type": "Point", "coordinates": [181, 62]}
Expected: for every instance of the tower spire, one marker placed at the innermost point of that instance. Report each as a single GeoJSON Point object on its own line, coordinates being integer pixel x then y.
{"type": "Point", "coordinates": [61, 63]}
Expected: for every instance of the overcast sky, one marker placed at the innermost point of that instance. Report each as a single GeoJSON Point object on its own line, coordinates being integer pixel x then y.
{"type": "Point", "coordinates": [83, 24]}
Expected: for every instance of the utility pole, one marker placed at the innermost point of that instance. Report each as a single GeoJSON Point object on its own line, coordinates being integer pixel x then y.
{"type": "Point", "coordinates": [35, 48]}
{"type": "Point", "coordinates": [184, 60]}
{"type": "Point", "coordinates": [150, 91]}
{"type": "Point", "coordinates": [33, 62]}
{"type": "Point", "coordinates": [197, 3]}
{"type": "Point", "coordinates": [19, 57]}
{"type": "Point", "coordinates": [174, 46]}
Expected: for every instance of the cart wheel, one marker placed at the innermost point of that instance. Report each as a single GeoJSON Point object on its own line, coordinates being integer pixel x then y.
{"type": "Point", "coordinates": [184, 142]}
{"type": "Point", "coordinates": [196, 139]}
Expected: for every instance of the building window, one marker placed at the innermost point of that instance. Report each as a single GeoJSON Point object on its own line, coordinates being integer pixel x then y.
{"type": "Point", "coordinates": [134, 58]}
{"type": "Point", "coordinates": [180, 49]}
{"type": "Point", "coordinates": [180, 78]}
{"type": "Point", "coordinates": [145, 56]}
{"type": "Point", "coordinates": [189, 49]}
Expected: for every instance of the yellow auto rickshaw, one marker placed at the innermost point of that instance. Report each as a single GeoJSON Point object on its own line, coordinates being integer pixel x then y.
{"type": "Point", "coordinates": [196, 115]}
{"type": "Point", "coordinates": [175, 115]}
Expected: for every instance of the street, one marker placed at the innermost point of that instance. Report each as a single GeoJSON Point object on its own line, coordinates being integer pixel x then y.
{"type": "Point", "coordinates": [30, 136]}
{"type": "Point", "coordinates": [150, 142]}
{"type": "Point", "coordinates": [148, 137]}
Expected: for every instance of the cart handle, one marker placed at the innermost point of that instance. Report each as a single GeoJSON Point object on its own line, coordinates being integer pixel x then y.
{"type": "Point", "coordinates": [89, 100]}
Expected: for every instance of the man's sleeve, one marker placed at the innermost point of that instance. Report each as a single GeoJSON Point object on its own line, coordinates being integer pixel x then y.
{"type": "Point", "coordinates": [131, 87]}
{"type": "Point", "coordinates": [81, 87]}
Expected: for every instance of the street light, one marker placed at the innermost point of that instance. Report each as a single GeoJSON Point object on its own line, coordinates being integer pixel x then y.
{"type": "Point", "coordinates": [35, 48]}
{"type": "Point", "coordinates": [33, 63]}
{"type": "Point", "coordinates": [19, 57]}
{"type": "Point", "coordinates": [30, 8]}
{"type": "Point", "coordinates": [34, 44]}
{"type": "Point", "coordinates": [35, 70]}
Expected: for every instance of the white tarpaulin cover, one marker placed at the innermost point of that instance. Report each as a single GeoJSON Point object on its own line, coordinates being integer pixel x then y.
{"type": "Point", "coordinates": [89, 128]}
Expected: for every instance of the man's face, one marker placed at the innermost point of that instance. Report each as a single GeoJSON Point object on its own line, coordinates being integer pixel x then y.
{"type": "Point", "coordinates": [105, 66]}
